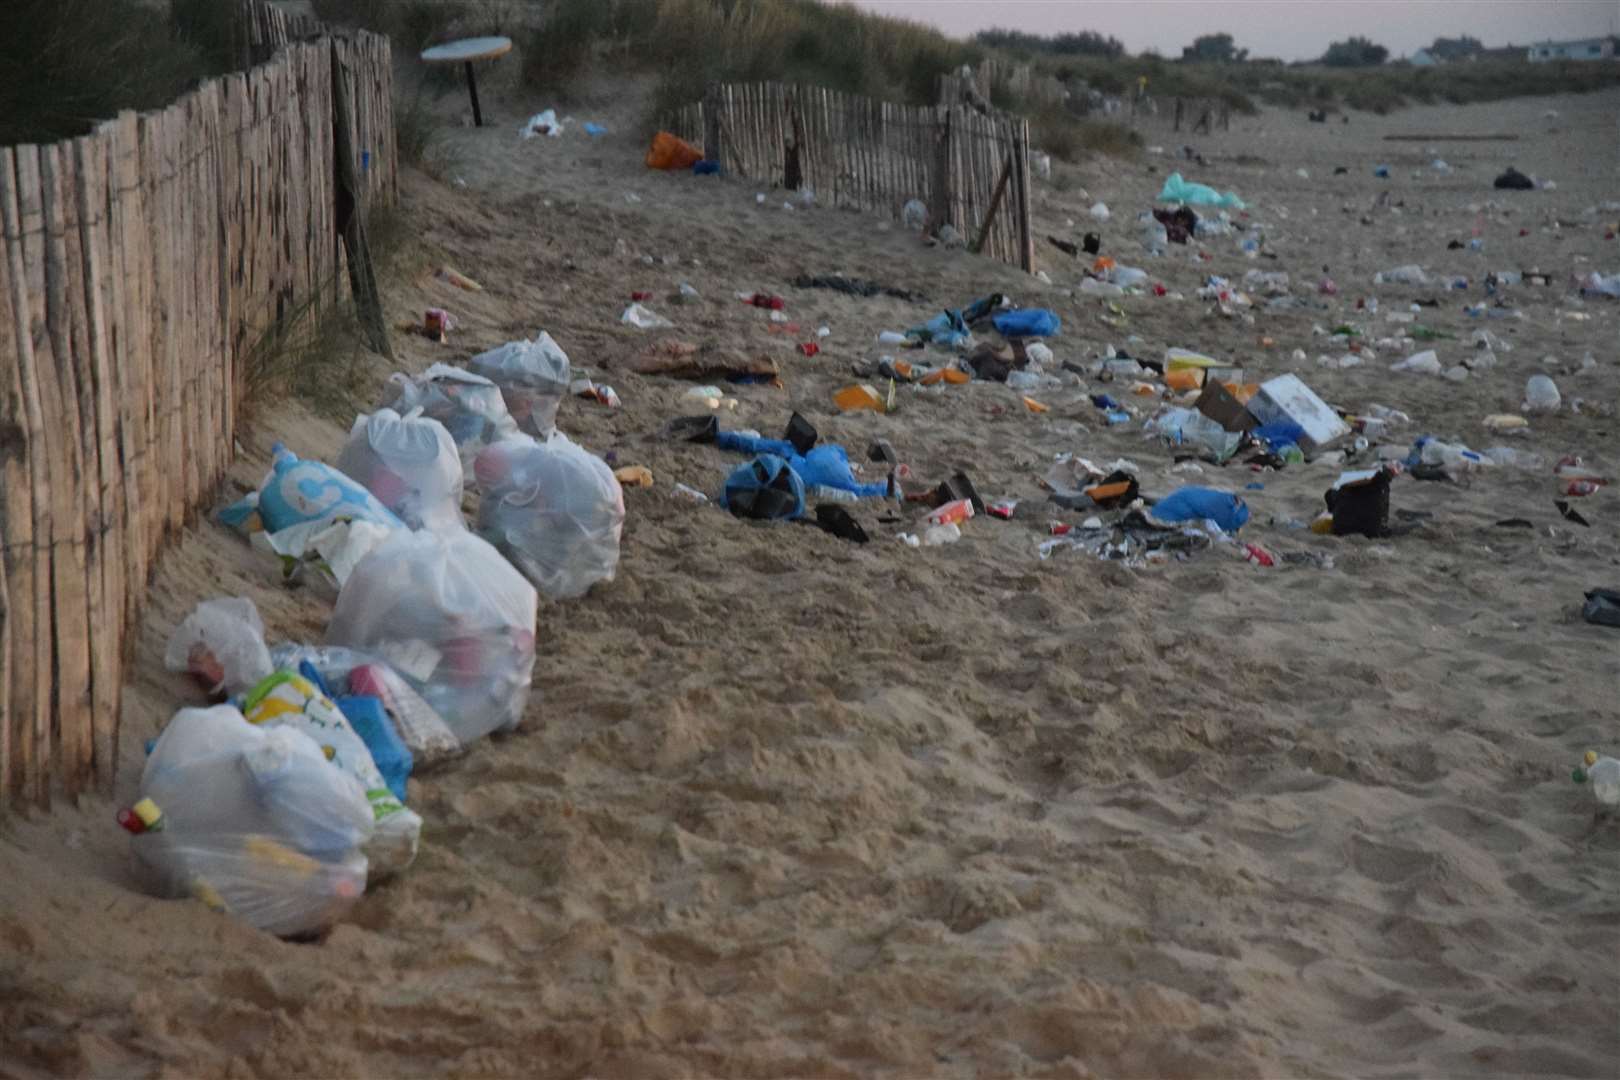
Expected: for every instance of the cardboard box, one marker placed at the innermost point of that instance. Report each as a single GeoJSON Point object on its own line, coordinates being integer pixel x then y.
{"type": "Point", "coordinates": [1218, 403]}
{"type": "Point", "coordinates": [1288, 398]}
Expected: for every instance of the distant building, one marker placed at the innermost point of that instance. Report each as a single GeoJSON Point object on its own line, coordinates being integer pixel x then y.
{"type": "Point", "coordinates": [1587, 49]}
{"type": "Point", "coordinates": [1422, 58]}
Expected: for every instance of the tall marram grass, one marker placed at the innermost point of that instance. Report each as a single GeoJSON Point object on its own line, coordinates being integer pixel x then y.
{"type": "Point", "coordinates": [66, 64]}
{"type": "Point", "coordinates": [690, 43]}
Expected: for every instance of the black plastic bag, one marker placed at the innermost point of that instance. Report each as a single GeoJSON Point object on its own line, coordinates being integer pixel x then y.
{"type": "Point", "coordinates": [1602, 607]}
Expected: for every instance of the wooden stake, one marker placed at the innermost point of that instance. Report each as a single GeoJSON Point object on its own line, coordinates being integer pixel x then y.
{"type": "Point", "coordinates": [351, 217]}
{"type": "Point", "coordinates": [995, 204]}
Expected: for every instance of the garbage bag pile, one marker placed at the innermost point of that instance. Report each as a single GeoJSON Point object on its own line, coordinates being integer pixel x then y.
{"type": "Point", "coordinates": [282, 802]}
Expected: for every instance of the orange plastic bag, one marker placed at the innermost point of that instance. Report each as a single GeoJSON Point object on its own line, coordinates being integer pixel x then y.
{"type": "Point", "coordinates": [858, 396]}
{"type": "Point", "coordinates": [1184, 378]}
{"type": "Point", "coordinates": [671, 152]}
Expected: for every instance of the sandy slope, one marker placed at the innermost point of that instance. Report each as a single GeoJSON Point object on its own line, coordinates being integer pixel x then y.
{"type": "Point", "coordinates": [784, 805]}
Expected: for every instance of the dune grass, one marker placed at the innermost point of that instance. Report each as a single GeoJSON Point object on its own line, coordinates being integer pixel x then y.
{"type": "Point", "coordinates": [82, 60]}
{"type": "Point", "coordinates": [690, 43]}
{"type": "Point", "coordinates": [66, 64]}
{"type": "Point", "coordinates": [1381, 89]}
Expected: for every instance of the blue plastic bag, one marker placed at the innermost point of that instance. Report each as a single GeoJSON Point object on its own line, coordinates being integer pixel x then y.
{"type": "Point", "coordinates": [826, 465]}
{"type": "Point", "coordinates": [765, 489]}
{"type": "Point", "coordinates": [1279, 433]}
{"type": "Point", "coordinates": [948, 328]}
{"type": "Point", "coordinates": [1027, 322]}
{"type": "Point", "coordinates": [1203, 504]}
{"type": "Point", "coordinates": [705, 168]}
{"type": "Point", "coordinates": [388, 751]}
{"type": "Point", "coordinates": [1178, 190]}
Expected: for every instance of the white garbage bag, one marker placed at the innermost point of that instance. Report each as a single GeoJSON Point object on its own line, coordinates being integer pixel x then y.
{"type": "Point", "coordinates": [221, 642]}
{"type": "Point", "coordinates": [554, 509]}
{"type": "Point", "coordinates": [533, 377]}
{"type": "Point", "coordinates": [410, 463]}
{"type": "Point", "coordinates": [450, 615]}
{"type": "Point", "coordinates": [253, 821]}
{"type": "Point", "coordinates": [287, 699]}
{"type": "Point", "coordinates": [469, 406]}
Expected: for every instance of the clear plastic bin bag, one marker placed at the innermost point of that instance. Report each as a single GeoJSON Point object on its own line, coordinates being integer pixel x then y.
{"type": "Point", "coordinates": [554, 509]}
{"type": "Point", "coordinates": [470, 407]}
{"type": "Point", "coordinates": [254, 821]}
{"type": "Point", "coordinates": [410, 463]}
{"type": "Point", "coordinates": [533, 377]}
{"type": "Point", "coordinates": [452, 616]}
{"type": "Point", "coordinates": [222, 643]}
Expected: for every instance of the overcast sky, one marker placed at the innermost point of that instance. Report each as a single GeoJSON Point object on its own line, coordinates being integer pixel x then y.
{"type": "Point", "coordinates": [1288, 29]}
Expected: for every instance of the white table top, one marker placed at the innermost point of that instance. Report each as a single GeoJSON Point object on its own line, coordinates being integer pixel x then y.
{"type": "Point", "coordinates": [455, 52]}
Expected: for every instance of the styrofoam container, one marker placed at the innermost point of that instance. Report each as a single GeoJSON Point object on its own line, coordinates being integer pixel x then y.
{"type": "Point", "coordinates": [1288, 398]}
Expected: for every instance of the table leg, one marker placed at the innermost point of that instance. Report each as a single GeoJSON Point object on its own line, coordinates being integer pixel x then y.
{"type": "Point", "coordinates": [472, 88]}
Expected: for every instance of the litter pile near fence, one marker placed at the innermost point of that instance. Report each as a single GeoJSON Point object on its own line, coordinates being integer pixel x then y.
{"type": "Point", "coordinates": [970, 169]}
{"type": "Point", "coordinates": [141, 264]}
{"type": "Point", "coordinates": [282, 803]}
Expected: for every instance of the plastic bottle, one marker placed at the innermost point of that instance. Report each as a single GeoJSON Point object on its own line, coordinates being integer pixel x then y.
{"type": "Point", "coordinates": [1516, 459]}
{"type": "Point", "coordinates": [1456, 459]}
{"type": "Point", "coordinates": [1604, 774]}
{"type": "Point", "coordinates": [951, 513]}
{"type": "Point", "coordinates": [823, 493]}
{"type": "Point", "coordinates": [891, 337]}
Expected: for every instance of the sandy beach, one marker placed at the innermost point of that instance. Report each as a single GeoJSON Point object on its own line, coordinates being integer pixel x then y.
{"type": "Point", "coordinates": [785, 805]}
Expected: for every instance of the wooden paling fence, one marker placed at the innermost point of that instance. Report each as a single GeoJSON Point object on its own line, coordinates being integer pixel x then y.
{"type": "Point", "coordinates": [264, 28]}
{"type": "Point", "coordinates": [1022, 82]}
{"type": "Point", "coordinates": [969, 168]}
{"type": "Point", "coordinates": [140, 264]}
